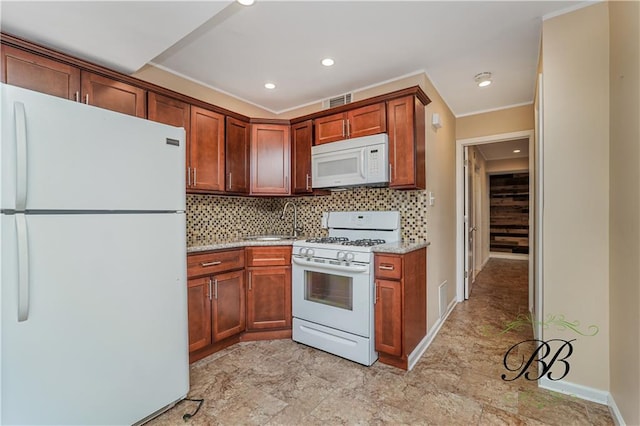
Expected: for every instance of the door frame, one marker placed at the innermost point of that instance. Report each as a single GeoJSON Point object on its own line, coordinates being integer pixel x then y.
{"type": "Point", "coordinates": [460, 243]}
{"type": "Point", "coordinates": [469, 222]}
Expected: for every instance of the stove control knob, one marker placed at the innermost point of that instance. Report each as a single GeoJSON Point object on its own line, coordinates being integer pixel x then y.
{"type": "Point", "coordinates": [340, 255]}
{"type": "Point", "coordinates": [309, 252]}
{"type": "Point", "coordinates": [303, 251]}
{"type": "Point", "coordinates": [349, 257]}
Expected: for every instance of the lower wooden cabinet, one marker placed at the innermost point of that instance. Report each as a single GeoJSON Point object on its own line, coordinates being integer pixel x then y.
{"type": "Point", "coordinates": [269, 298]}
{"type": "Point", "coordinates": [216, 300]}
{"type": "Point", "coordinates": [228, 303]}
{"type": "Point", "coordinates": [400, 305]}
{"type": "Point", "coordinates": [388, 313]}
{"type": "Point", "coordinates": [268, 288]}
{"type": "Point", "coordinates": [199, 313]}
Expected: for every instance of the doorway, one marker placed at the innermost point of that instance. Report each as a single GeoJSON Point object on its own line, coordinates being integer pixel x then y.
{"type": "Point", "coordinates": [472, 187]}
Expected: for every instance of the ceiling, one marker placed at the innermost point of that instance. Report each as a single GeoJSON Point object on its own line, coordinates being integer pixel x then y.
{"type": "Point", "coordinates": [504, 150]}
{"type": "Point", "coordinates": [236, 49]}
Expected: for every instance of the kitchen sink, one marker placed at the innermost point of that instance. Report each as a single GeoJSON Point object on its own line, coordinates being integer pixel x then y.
{"type": "Point", "coordinates": [268, 237]}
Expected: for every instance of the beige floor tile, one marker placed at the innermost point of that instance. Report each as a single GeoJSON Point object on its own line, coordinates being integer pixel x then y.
{"type": "Point", "coordinates": [456, 382]}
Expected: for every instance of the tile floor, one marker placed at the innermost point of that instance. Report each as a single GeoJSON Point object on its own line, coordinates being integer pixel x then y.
{"type": "Point", "coordinates": [456, 382]}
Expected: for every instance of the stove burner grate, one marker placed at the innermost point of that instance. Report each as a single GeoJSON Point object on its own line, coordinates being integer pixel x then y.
{"type": "Point", "coordinates": [328, 240]}
{"type": "Point", "coordinates": [364, 242]}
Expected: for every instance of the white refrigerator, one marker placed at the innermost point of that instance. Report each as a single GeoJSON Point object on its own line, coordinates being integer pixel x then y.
{"type": "Point", "coordinates": [93, 264]}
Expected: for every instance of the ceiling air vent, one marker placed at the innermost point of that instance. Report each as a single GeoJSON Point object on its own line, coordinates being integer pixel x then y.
{"type": "Point", "coordinates": [337, 101]}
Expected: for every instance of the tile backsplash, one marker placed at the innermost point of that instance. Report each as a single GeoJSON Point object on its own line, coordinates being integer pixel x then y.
{"type": "Point", "coordinates": [213, 218]}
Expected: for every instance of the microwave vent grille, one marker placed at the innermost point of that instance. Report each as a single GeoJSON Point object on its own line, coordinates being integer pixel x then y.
{"type": "Point", "coordinates": [337, 101]}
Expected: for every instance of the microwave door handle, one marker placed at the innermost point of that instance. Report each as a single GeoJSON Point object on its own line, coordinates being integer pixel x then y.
{"type": "Point", "coordinates": [363, 158]}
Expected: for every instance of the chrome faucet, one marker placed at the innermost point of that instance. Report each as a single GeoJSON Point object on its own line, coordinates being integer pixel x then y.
{"type": "Point", "coordinates": [296, 229]}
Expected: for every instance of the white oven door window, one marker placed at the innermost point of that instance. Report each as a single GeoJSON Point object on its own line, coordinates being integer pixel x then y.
{"type": "Point", "coordinates": [328, 289]}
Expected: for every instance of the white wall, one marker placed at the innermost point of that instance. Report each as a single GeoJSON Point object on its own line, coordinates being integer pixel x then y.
{"type": "Point", "coordinates": [576, 186]}
{"type": "Point", "coordinates": [508, 165]}
{"type": "Point", "coordinates": [625, 208]}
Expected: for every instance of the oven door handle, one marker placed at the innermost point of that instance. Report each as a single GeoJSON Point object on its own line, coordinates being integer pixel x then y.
{"type": "Point", "coordinates": [356, 269]}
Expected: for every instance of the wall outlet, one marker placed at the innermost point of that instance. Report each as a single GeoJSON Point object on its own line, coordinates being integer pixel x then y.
{"type": "Point", "coordinates": [325, 219]}
{"type": "Point", "coordinates": [432, 199]}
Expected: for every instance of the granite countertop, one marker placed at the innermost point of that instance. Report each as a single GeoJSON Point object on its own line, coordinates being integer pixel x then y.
{"type": "Point", "coordinates": [400, 247]}
{"type": "Point", "coordinates": [221, 245]}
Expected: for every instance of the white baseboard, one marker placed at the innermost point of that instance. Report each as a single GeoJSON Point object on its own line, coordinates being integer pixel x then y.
{"type": "Point", "coordinates": [417, 353]}
{"type": "Point", "coordinates": [579, 391]}
{"type": "Point", "coordinates": [485, 262]}
{"type": "Point", "coordinates": [615, 412]}
{"type": "Point", "coordinates": [512, 256]}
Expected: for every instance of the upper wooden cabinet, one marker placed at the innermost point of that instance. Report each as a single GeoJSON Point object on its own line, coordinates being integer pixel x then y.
{"type": "Point", "coordinates": [237, 156]}
{"type": "Point", "coordinates": [257, 161]}
{"type": "Point", "coordinates": [35, 72]}
{"type": "Point", "coordinates": [166, 110]}
{"type": "Point", "coordinates": [206, 160]}
{"type": "Point", "coordinates": [301, 141]}
{"type": "Point", "coordinates": [172, 112]}
{"type": "Point", "coordinates": [270, 159]}
{"type": "Point", "coordinates": [363, 121]}
{"type": "Point", "coordinates": [406, 130]}
{"type": "Point", "coordinates": [114, 95]}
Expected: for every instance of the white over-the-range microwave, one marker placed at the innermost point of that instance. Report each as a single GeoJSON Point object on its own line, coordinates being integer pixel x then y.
{"type": "Point", "coordinates": [360, 161]}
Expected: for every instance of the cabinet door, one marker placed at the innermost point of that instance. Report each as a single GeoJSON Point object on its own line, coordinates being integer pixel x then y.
{"type": "Point", "coordinates": [388, 317]}
{"type": "Point", "coordinates": [33, 72]}
{"type": "Point", "coordinates": [270, 159]}
{"type": "Point", "coordinates": [228, 316]}
{"type": "Point", "coordinates": [206, 150]}
{"type": "Point", "coordinates": [237, 156]}
{"type": "Point", "coordinates": [114, 95]}
{"type": "Point", "coordinates": [301, 140]}
{"type": "Point", "coordinates": [330, 128]}
{"type": "Point", "coordinates": [199, 306]}
{"type": "Point", "coordinates": [365, 121]}
{"type": "Point", "coordinates": [174, 113]}
{"type": "Point", "coordinates": [406, 143]}
{"type": "Point", "coordinates": [269, 298]}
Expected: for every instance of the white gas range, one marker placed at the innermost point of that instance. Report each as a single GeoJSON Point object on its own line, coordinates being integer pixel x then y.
{"type": "Point", "coordinates": [333, 284]}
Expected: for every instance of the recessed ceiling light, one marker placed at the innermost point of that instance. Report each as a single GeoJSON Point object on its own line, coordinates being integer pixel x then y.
{"type": "Point", "coordinates": [327, 62]}
{"type": "Point", "coordinates": [483, 79]}
{"type": "Point", "coordinates": [515, 151]}
{"type": "Point", "coordinates": [246, 2]}
{"type": "Point", "coordinates": [269, 86]}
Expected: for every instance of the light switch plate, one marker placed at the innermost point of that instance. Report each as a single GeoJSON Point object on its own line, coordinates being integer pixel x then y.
{"type": "Point", "coordinates": [432, 199]}
{"type": "Point", "coordinates": [325, 219]}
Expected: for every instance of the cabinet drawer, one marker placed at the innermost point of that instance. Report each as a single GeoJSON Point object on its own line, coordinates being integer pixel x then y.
{"type": "Point", "coordinates": [214, 262]}
{"type": "Point", "coordinates": [388, 266]}
{"type": "Point", "coordinates": [268, 256]}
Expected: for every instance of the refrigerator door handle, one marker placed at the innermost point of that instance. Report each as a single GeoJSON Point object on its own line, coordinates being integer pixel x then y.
{"type": "Point", "coordinates": [21, 156]}
{"type": "Point", "coordinates": [23, 267]}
